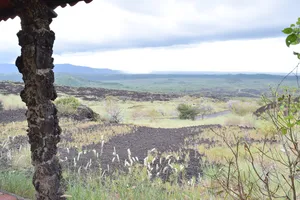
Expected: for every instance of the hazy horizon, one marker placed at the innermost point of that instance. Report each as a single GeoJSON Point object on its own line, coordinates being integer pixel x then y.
{"type": "Point", "coordinates": [15, 70]}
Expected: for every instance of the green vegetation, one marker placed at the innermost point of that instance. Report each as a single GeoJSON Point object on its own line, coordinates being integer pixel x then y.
{"type": "Point", "coordinates": [293, 33]}
{"type": "Point", "coordinates": [187, 111]}
{"type": "Point", "coordinates": [223, 85]}
{"type": "Point", "coordinates": [17, 182]}
{"type": "Point", "coordinates": [244, 157]}
{"type": "Point", "coordinates": [68, 101]}
{"type": "Point", "coordinates": [135, 186]}
{"type": "Point", "coordinates": [67, 105]}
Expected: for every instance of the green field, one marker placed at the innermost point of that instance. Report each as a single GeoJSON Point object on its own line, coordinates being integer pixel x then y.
{"type": "Point", "coordinates": [207, 85]}
{"type": "Point", "coordinates": [222, 85]}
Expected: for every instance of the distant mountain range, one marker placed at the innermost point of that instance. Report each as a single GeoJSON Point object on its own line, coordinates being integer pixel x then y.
{"type": "Point", "coordinates": [11, 69]}
{"type": "Point", "coordinates": [63, 68]}
{"type": "Point", "coordinates": [215, 73]}
{"type": "Point", "coordinates": [244, 84]}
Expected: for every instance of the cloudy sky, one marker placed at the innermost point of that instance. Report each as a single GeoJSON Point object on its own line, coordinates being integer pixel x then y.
{"type": "Point", "coordinates": [141, 36]}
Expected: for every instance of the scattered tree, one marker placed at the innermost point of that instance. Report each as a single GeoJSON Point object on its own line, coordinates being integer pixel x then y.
{"type": "Point", "coordinates": [187, 111]}
{"type": "Point", "coordinates": [204, 110]}
{"type": "Point", "coordinates": [113, 109]}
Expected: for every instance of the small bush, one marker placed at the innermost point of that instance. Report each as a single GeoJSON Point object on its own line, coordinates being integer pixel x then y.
{"type": "Point", "coordinates": [70, 101]}
{"type": "Point", "coordinates": [205, 109]}
{"type": "Point", "coordinates": [113, 109]}
{"type": "Point", "coordinates": [67, 105]}
{"type": "Point", "coordinates": [187, 111]}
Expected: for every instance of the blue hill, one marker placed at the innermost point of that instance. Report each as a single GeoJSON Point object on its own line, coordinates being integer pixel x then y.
{"type": "Point", "coordinates": [62, 68]}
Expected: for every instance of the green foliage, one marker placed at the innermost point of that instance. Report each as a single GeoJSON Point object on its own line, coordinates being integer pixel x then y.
{"type": "Point", "coordinates": [68, 101]}
{"type": "Point", "coordinates": [293, 37]}
{"type": "Point", "coordinates": [134, 186]}
{"type": "Point", "coordinates": [18, 183]}
{"type": "Point", "coordinates": [187, 111]}
{"type": "Point", "coordinates": [249, 85]}
{"type": "Point", "coordinates": [67, 105]}
{"type": "Point", "coordinates": [287, 113]}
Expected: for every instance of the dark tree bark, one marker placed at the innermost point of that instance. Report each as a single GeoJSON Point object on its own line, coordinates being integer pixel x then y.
{"type": "Point", "coordinates": [36, 64]}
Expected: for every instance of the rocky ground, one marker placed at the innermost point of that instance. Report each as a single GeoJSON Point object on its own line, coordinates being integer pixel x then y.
{"type": "Point", "coordinates": [92, 94]}
{"type": "Point", "coordinates": [121, 149]}
{"type": "Point", "coordinates": [7, 116]}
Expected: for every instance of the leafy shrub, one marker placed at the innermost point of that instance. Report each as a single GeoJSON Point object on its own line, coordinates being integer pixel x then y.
{"type": "Point", "coordinates": [187, 111]}
{"type": "Point", "coordinates": [69, 101]}
{"type": "Point", "coordinates": [67, 105]}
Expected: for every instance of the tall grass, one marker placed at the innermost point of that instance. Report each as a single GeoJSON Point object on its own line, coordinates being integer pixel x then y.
{"type": "Point", "coordinates": [134, 186]}
{"type": "Point", "coordinates": [242, 108]}
{"type": "Point", "coordinates": [12, 102]}
{"type": "Point", "coordinates": [18, 183]}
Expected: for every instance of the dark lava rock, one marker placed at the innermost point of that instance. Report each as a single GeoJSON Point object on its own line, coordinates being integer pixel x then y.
{"type": "Point", "coordinates": [7, 116]}
{"type": "Point", "coordinates": [84, 112]}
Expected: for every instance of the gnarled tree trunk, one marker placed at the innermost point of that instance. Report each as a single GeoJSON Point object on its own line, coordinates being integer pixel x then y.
{"type": "Point", "coordinates": [36, 64]}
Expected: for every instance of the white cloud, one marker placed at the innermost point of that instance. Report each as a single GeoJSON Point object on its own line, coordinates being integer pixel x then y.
{"type": "Point", "coordinates": [261, 55]}
{"type": "Point", "coordinates": [118, 23]}
{"type": "Point", "coordinates": [8, 36]}
{"type": "Point", "coordinates": [108, 24]}
{"type": "Point", "coordinates": [144, 35]}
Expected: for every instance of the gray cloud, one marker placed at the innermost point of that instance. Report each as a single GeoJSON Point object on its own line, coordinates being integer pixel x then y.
{"type": "Point", "coordinates": [136, 23]}
{"type": "Point", "coordinates": [118, 24]}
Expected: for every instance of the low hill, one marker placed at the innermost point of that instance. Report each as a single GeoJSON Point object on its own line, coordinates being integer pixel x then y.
{"type": "Point", "coordinates": [62, 68]}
